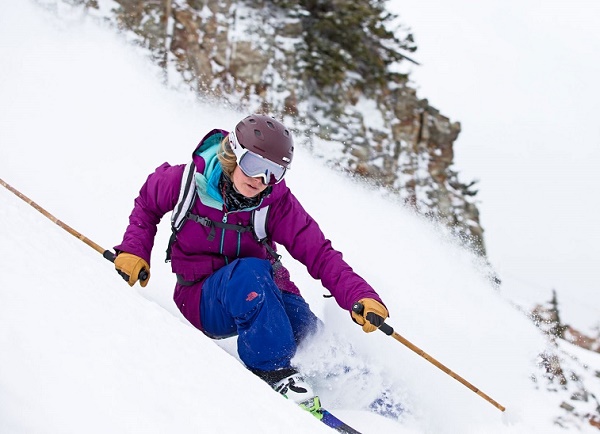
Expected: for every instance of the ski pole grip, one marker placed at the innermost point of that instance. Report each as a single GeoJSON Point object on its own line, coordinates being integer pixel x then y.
{"type": "Point", "coordinates": [385, 328]}
{"type": "Point", "coordinates": [107, 254]}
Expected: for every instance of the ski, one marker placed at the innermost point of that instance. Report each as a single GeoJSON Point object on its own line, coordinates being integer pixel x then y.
{"type": "Point", "coordinates": [331, 421]}
{"type": "Point", "coordinates": [313, 406]}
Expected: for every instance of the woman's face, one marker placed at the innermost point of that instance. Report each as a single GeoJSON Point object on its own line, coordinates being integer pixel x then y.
{"type": "Point", "coordinates": [246, 185]}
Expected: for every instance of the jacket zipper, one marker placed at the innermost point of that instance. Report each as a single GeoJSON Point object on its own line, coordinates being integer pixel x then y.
{"type": "Point", "coordinates": [224, 220]}
{"type": "Point", "coordinates": [239, 235]}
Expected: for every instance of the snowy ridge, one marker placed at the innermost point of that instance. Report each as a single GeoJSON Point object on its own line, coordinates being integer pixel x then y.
{"type": "Point", "coordinates": [83, 120]}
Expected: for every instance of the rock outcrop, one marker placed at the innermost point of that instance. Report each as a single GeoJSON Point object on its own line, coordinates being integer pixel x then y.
{"type": "Point", "coordinates": [246, 54]}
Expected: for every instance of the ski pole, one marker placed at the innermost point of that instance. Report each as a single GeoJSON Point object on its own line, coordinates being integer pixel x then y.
{"type": "Point", "coordinates": [107, 254]}
{"type": "Point", "coordinates": [388, 330]}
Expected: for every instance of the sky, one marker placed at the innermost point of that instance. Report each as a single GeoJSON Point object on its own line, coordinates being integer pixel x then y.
{"type": "Point", "coordinates": [83, 121]}
{"type": "Point", "coordinates": [522, 79]}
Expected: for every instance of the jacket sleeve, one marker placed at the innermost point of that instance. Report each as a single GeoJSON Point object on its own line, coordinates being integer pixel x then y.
{"type": "Point", "coordinates": [157, 196]}
{"type": "Point", "coordinates": [292, 227]}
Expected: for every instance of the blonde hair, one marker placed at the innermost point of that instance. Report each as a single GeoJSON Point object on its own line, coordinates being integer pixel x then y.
{"type": "Point", "coordinates": [227, 157]}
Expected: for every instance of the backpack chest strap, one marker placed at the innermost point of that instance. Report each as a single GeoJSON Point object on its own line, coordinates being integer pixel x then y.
{"type": "Point", "coordinates": [212, 224]}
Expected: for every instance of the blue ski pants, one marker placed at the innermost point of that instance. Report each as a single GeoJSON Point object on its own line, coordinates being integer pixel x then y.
{"type": "Point", "coordinates": [242, 299]}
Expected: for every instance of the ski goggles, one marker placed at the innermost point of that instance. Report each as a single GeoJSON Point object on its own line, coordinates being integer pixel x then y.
{"type": "Point", "coordinates": [254, 165]}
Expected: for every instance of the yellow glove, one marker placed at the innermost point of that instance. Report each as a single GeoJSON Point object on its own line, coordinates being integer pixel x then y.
{"type": "Point", "coordinates": [129, 268]}
{"type": "Point", "coordinates": [372, 316]}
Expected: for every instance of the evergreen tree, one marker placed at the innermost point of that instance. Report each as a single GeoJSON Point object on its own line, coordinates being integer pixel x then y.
{"type": "Point", "coordinates": [343, 36]}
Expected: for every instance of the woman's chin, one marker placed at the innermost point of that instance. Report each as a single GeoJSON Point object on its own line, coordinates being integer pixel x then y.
{"type": "Point", "coordinates": [249, 191]}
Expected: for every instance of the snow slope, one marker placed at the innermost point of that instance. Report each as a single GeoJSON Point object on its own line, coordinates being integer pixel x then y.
{"type": "Point", "coordinates": [83, 120]}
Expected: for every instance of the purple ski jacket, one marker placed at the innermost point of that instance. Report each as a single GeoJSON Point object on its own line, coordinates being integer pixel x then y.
{"type": "Point", "coordinates": [194, 257]}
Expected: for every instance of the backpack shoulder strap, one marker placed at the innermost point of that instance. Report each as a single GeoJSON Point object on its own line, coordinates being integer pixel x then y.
{"type": "Point", "coordinates": [185, 202]}
{"type": "Point", "coordinates": [259, 222]}
{"type": "Point", "coordinates": [187, 195]}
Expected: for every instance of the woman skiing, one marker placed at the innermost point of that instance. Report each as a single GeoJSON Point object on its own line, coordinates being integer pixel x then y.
{"type": "Point", "coordinates": [229, 281]}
